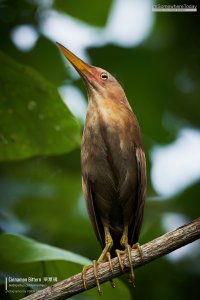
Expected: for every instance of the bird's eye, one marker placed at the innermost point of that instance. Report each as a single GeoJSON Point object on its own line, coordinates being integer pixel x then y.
{"type": "Point", "coordinates": [104, 76]}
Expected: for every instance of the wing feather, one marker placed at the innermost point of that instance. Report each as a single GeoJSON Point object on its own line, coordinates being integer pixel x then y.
{"type": "Point", "coordinates": [136, 222]}
{"type": "Point", "coordinates": [93, 215]}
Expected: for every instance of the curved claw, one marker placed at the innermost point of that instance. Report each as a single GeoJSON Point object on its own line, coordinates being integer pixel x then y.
{"type": "Point", "coordinates": [112, 283]}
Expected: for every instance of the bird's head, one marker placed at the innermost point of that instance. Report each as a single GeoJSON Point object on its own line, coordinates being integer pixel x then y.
{"type": "Point", "coordinates": [100, 83]}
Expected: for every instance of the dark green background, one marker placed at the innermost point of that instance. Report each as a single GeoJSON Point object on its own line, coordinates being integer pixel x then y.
{"type": "Point", "coordinates": [40, 177]}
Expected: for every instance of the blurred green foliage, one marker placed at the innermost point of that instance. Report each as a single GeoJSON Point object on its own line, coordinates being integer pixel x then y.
{"type": "Point", "coordinates": [93, 14]}
{"type": "Point", "coordinates": [41, 196]}
{"type": "Point", "coordinates": [31, 109]}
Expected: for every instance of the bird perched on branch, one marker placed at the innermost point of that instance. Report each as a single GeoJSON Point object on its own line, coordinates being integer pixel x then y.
{"type": "Point", "coordinates": [113, 165]}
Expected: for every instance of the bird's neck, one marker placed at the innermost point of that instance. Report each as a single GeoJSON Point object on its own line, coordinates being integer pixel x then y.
{"type": "Point", "coordinates": [107, 110]}
{"type": "Point", "coordinates": [97, 101]}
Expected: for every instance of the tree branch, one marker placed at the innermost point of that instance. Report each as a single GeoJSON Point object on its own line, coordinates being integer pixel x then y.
{"type": "Point", "coordinates": [151, 251]}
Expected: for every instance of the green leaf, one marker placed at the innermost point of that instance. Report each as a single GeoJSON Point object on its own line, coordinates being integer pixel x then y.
{"type": "Point", "coordinates": [43, 57]}
{"type": "Point", "coordinates": [33, 118]}
{"type": "Point", "coordinates": [95, 14]}
{"type": "Point", "coordinates": [27, 250]}
{"type": "Point", "coordinates": [22, 255]}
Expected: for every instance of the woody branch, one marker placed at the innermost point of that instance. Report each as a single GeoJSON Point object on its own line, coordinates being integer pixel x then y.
{"type": "Point", "coordinates": [151, 251]}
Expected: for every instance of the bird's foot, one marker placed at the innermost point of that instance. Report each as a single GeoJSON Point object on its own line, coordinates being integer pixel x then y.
{"type": "Point", "coordinates": [138, 247]}
{"type": "Point", "coordinates": [106, 257]}
{"type": "Point", "coordinates": [131, 275]}
{"type": "Point", "coordinates": [84, 273]}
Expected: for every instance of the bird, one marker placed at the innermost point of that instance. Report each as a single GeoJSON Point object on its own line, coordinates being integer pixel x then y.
{"type": "Point", "coordinates": [113, 165]}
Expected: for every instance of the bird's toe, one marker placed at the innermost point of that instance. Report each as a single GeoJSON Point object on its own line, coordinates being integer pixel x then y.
{"type": "Point", "coordinates": [96, 275]}
{"type": "Point", "coordinates": [84, 273]}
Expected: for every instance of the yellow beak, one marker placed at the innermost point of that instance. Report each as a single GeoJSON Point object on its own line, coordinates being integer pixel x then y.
{"type": "Point", "coordinates": [79, 65]}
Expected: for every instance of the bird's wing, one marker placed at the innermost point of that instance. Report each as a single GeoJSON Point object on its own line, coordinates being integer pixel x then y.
{"type": "Point", "coordinates": [136, 221]}
{"type": "Point", "coordinates": [97, 225]}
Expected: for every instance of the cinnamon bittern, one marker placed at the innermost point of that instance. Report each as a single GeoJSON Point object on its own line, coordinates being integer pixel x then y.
{"type": "Point", "coordinates": [113, 164]}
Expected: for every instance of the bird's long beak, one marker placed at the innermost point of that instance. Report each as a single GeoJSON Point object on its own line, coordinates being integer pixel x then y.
{"type": "Point", "coordinates": [84, 69]}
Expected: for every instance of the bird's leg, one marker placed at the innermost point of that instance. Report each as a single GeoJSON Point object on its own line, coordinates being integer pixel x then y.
{"type": "Point", "coordinates": [124, 243]}
{"type": "Point", "coordinates": [108, 246]}
{"type": "Point", "coordinates": [105, 256]}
